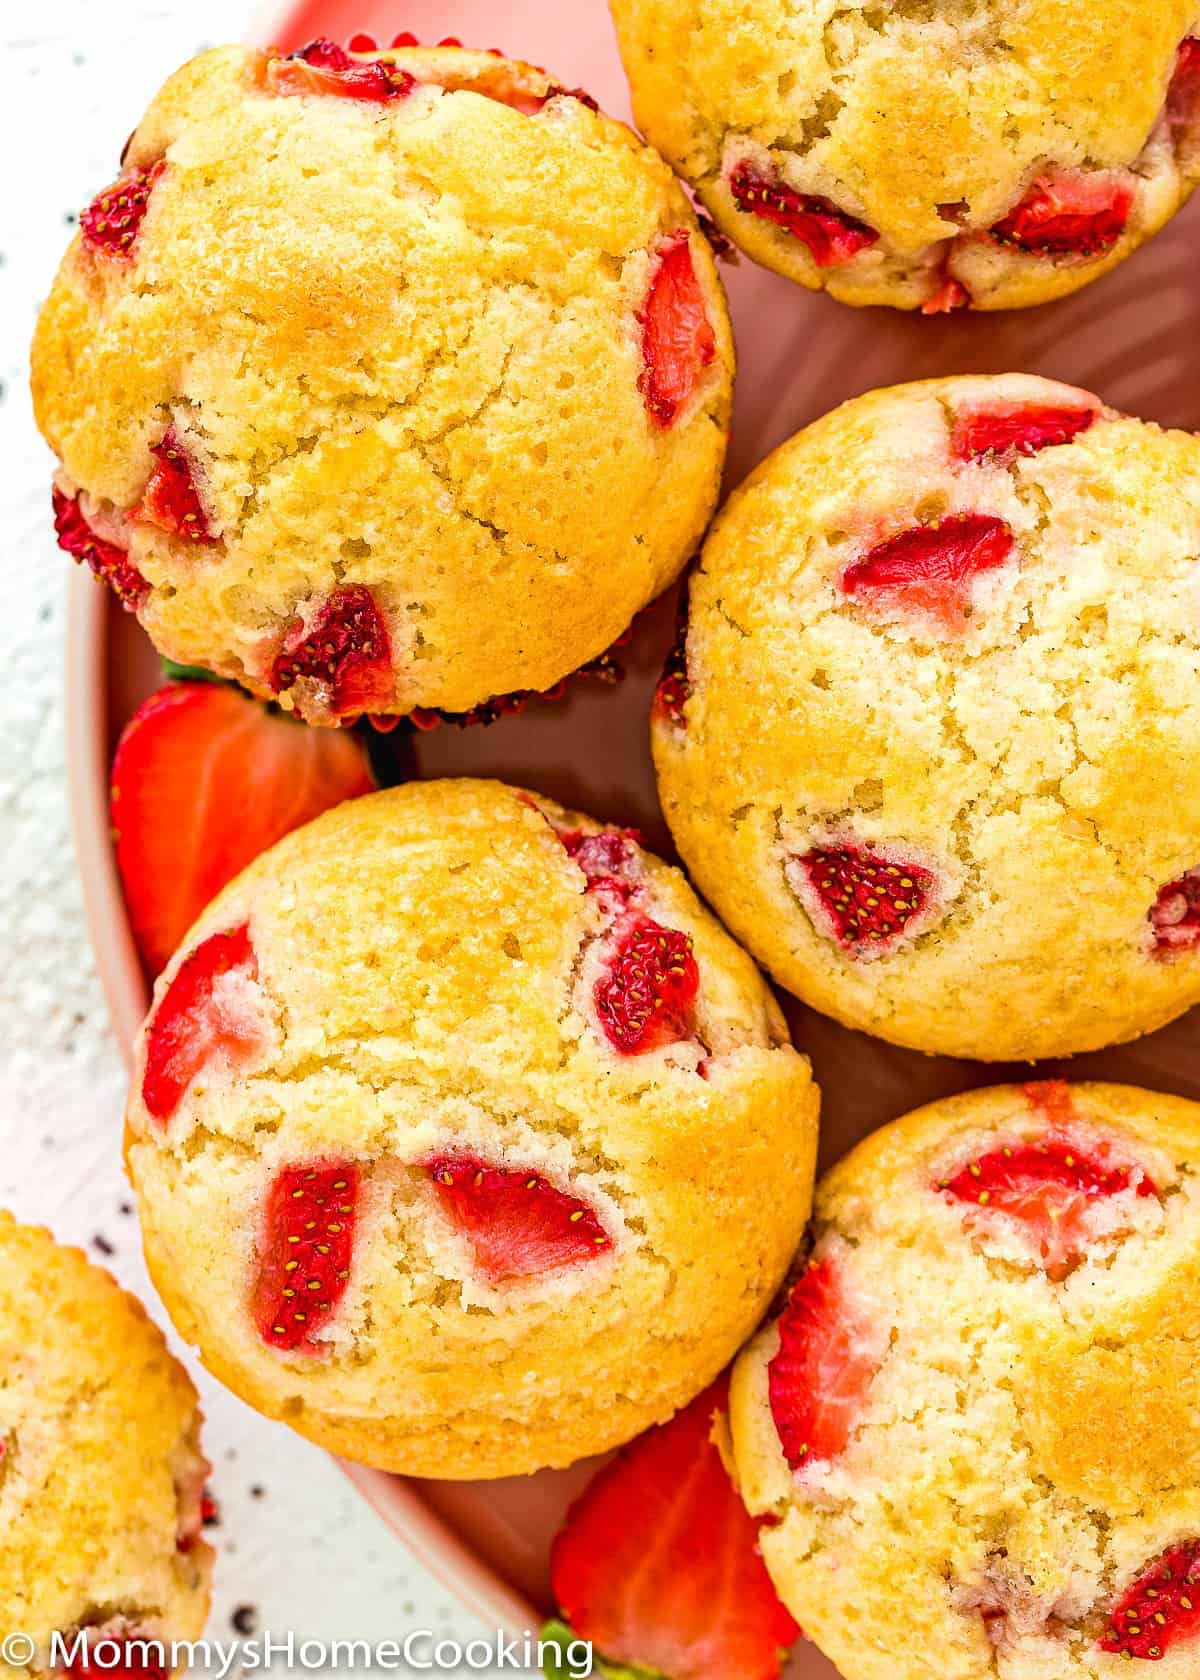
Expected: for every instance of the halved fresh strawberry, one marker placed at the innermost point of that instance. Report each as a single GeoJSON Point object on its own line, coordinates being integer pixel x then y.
{"type": "Point", "coordinates": [645, 996]}
{"type": "Point", "coordinates": [305, 1249]}
{"type": "Point", "coordinates": [863, 900]}
{"type": "Point", "coordinates": [1013, 428]}
{"type": "Point", "coordinates": [1183, 96]}
{"type": "Point", "coordinates": [658, 1562]}
{"type": "Point", "coordinates": [322, 67]}
{"type": "Point", "coordinates": [203, 780]}
{"type": "Point", "coordinates": [112, 221]}
{"type": "Point", "coordinates": [170, 499]}
{"type": "Point", "coordinates": [1175, 915]}
{"type": "Point", "coordinates": [831, 235]}
{"type": "Point", "coordinates": [207, 1011]}
{"type": "Point", "coordinates": [518, 1224]}
{"type": "Point", "coordinates": [1073, 213]}
{"type": "Point", "coordinates": [343, 650]}
{"type": "Point", "coordinates": [1161, 1609]}
{"type": "Point", "coordinates": [1050, 1187]}
{"type": "Point", "coordinates": [678, 341]}
{"type": "Point", "coordinates": [949, 296]}
{"type": "Point", "coordinates": [828, 1357]}
{"type": "Point", "coordinates": [932, 567]}
{"type": "Point", "coordinates": [107, 562]}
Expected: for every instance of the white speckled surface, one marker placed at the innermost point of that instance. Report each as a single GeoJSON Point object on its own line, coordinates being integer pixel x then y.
{"type": "Point", "coordinates": [296, 1544]}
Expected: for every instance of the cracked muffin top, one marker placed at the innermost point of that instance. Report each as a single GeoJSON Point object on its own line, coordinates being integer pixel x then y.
{"type": "Point", "coordinates": [465, 1140]}
{"type": "Point", "coordinates": [929, 749]}
{"type": "Point", "coordinates": [101, 1474]}
{"type": "Point", "coordinates": [364, 352]}
{"type": "Point", "coordinates": [982, 153]}
{"type": "Point", "coordinates": [973, 1427]}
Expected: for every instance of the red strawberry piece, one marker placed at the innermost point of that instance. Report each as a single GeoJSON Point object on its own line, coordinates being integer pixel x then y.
{"type": "Point", "coordinates": [831, 235]}
{"type": "Point", "coordinates": [362, 44]}
{"type": "Point", "coordinates": [658, 1562]}
{"type": "Point", "coordinates": [170, 499]}
{"type": "Point", "coordinates": [117, 1651]}
{"type": "Point", "coordinates": [1183, 96]}
{"type": "Point", "coordinates": [951, 295]}
{"type": "Point", "coordinates": [932, 567]}
{"type": "Point", "coordinates": [1049, 1187]}
{"type": "Point", "coordinates": [1052, 1099]}
{"type": "Point", "coordinates": [204, 779]}
{"type": "Point", "coordinates": [678, 342]}
{"type": "Point", "coordinates": [109, 563]}
{"type": "Point", "coordinates": [344, 650]}
{"type": "Point", "coordinates": [1070, 213]}
{"type": "Point", "coordinates": [322, 67]}
{"type": "Point", "coordinates": [406, 38]}
{"type": "Point", "coordinates": [646, 994]}
{"type": "Point", "coordinates": [608, 858]}
{"type": "Point", "coordinates": [674, 688]}
{"type": "Point", "coordinates": [1175, 915]}
{"type": "Point", "coordinates": [205, 1013]}
{"type": "Point", "coordinates": [112, 221]}
{"type": "Point", "coordinates": [1161, 1609]}
{"type": "Point", "coordinates": [818, 1380]}
{"type": "Point", "coordinates": [1013, 428]}
{"type": "Point", "coordinates": [305, 1250]}
{"type": "Point", "coordinates": [518, 1224]}
{"type": "Point", "coordinates": [866, 900]}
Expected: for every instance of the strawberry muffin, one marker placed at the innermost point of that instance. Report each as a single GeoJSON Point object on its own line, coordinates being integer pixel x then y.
{"type": "Point", "coordinates": [101, 1474]}
{"type": "Point", "coordinates": [929, 744]}
{"type": "Point", "coordinates": [971, 1434]}
{"type": "Point", "coordinates": [465, 1140]}
{"type": "Point", "coordinates": [363, 351]}
{"type": "Point", "coordinates": [928, 157]}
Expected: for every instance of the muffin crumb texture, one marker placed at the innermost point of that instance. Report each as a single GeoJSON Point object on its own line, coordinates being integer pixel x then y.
{"type": "Point", "coordinates": [465, 1140]}
{"type": "Point", "coordinates": [971, 1430]}
{"type": "Point", "coordinates": [360, 346]}
{"type": "Point", "coordinates": [101, 1473]}
{"type": "Point", "coordinates": [927, 745]}
{"type": "Point", "coordinates": [932, 157]}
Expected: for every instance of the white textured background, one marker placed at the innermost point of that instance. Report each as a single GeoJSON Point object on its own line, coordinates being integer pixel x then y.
{"type": "Point", "coordinates": [297, 1548]}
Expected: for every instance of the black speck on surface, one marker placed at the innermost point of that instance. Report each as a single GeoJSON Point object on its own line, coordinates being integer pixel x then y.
{"type": "Point", "coordinates": [257, 1491]}
{"type": "Point", "coordinates": [125, 1207]}
{"type": "Point", "coordinates": [244, 1619]}
{"type": "Point", "coordinates": [102, 1244]}
{"type": "Point", "coordinates": [69, 217]}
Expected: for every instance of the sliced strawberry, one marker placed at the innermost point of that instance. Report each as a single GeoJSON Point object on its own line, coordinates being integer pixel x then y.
{"type": "Point", "coordinates": [678, 341]}
{"type": "Point", "coordinates": [1161, 1609]}
{"type": "Point", "coordinates": [1071, 213]}
{"type": "Point", "coordinates": [645, 996]}
{"type": "Point", "coordinates": [1012, 428]}
{"type": "Point", "coordinates": [322, 67]}
{"type": "Point", "coordinates": [112, 221]}
{"type": "Point", "coordinates": [658, 1563]}
{"type": "Point", "coordinates": [819, 1379]}
{"type": "Point", "coordinates": [518, 1224]}
{"type": "Point", "coordinates": [608, 859]}
{"type": "Point", "coordinates": [305, 1250]}
{"type": "Point", "coordinates": [932, 567]}
{"type": "Point", "coordinates": [206, 1012]}
{"type": "Point", "coordinates": [950, 296]}
{"type": "Point", "coordinates": [1183, 96]}
{"type": "Point", "coordinates": [343, 651]}
{"type": "Point", "coordinates": [203, 780]}
{"type": "Point", "coordinates": [1050, 1188]}
{"type": "Point", "coordinates": [864, 901]}
{"type": "Point", "coordinates": [1175, 915]}
{"type": "Point", "coordinates": [170, 499]}
{"type": "Point", "coordinates": [831, 235]}
{"type": "Point", "coordinates": [109, 563]}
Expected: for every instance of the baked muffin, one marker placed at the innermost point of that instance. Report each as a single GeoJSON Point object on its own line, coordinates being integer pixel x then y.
{"type": "Point", "coordinates": [465, 1140]}
{"type": "Point", "coordinates": [930, 749]}
{"type": "Point", "coordinates": [101, 1474]}
{"type": "Point", "coordinates": [973, 1427]}
{"type": "Point", "coordinates": [929, 157]}
{"type": "Point", "coordinates": [364, 352]}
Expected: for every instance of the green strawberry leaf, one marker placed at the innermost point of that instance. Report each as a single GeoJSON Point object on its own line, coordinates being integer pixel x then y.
{"type": "Point", "coordinates": [562, 1650]}
{"type": "Point", "coordinates": [174, 672]}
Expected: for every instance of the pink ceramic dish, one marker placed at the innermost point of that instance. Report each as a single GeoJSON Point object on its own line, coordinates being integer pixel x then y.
{"type": "Point", "coordinates": [1132, 338]}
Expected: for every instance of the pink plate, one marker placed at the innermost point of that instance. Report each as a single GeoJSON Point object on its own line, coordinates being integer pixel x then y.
{"type": "Point", "coordinates": [1132, 337]}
